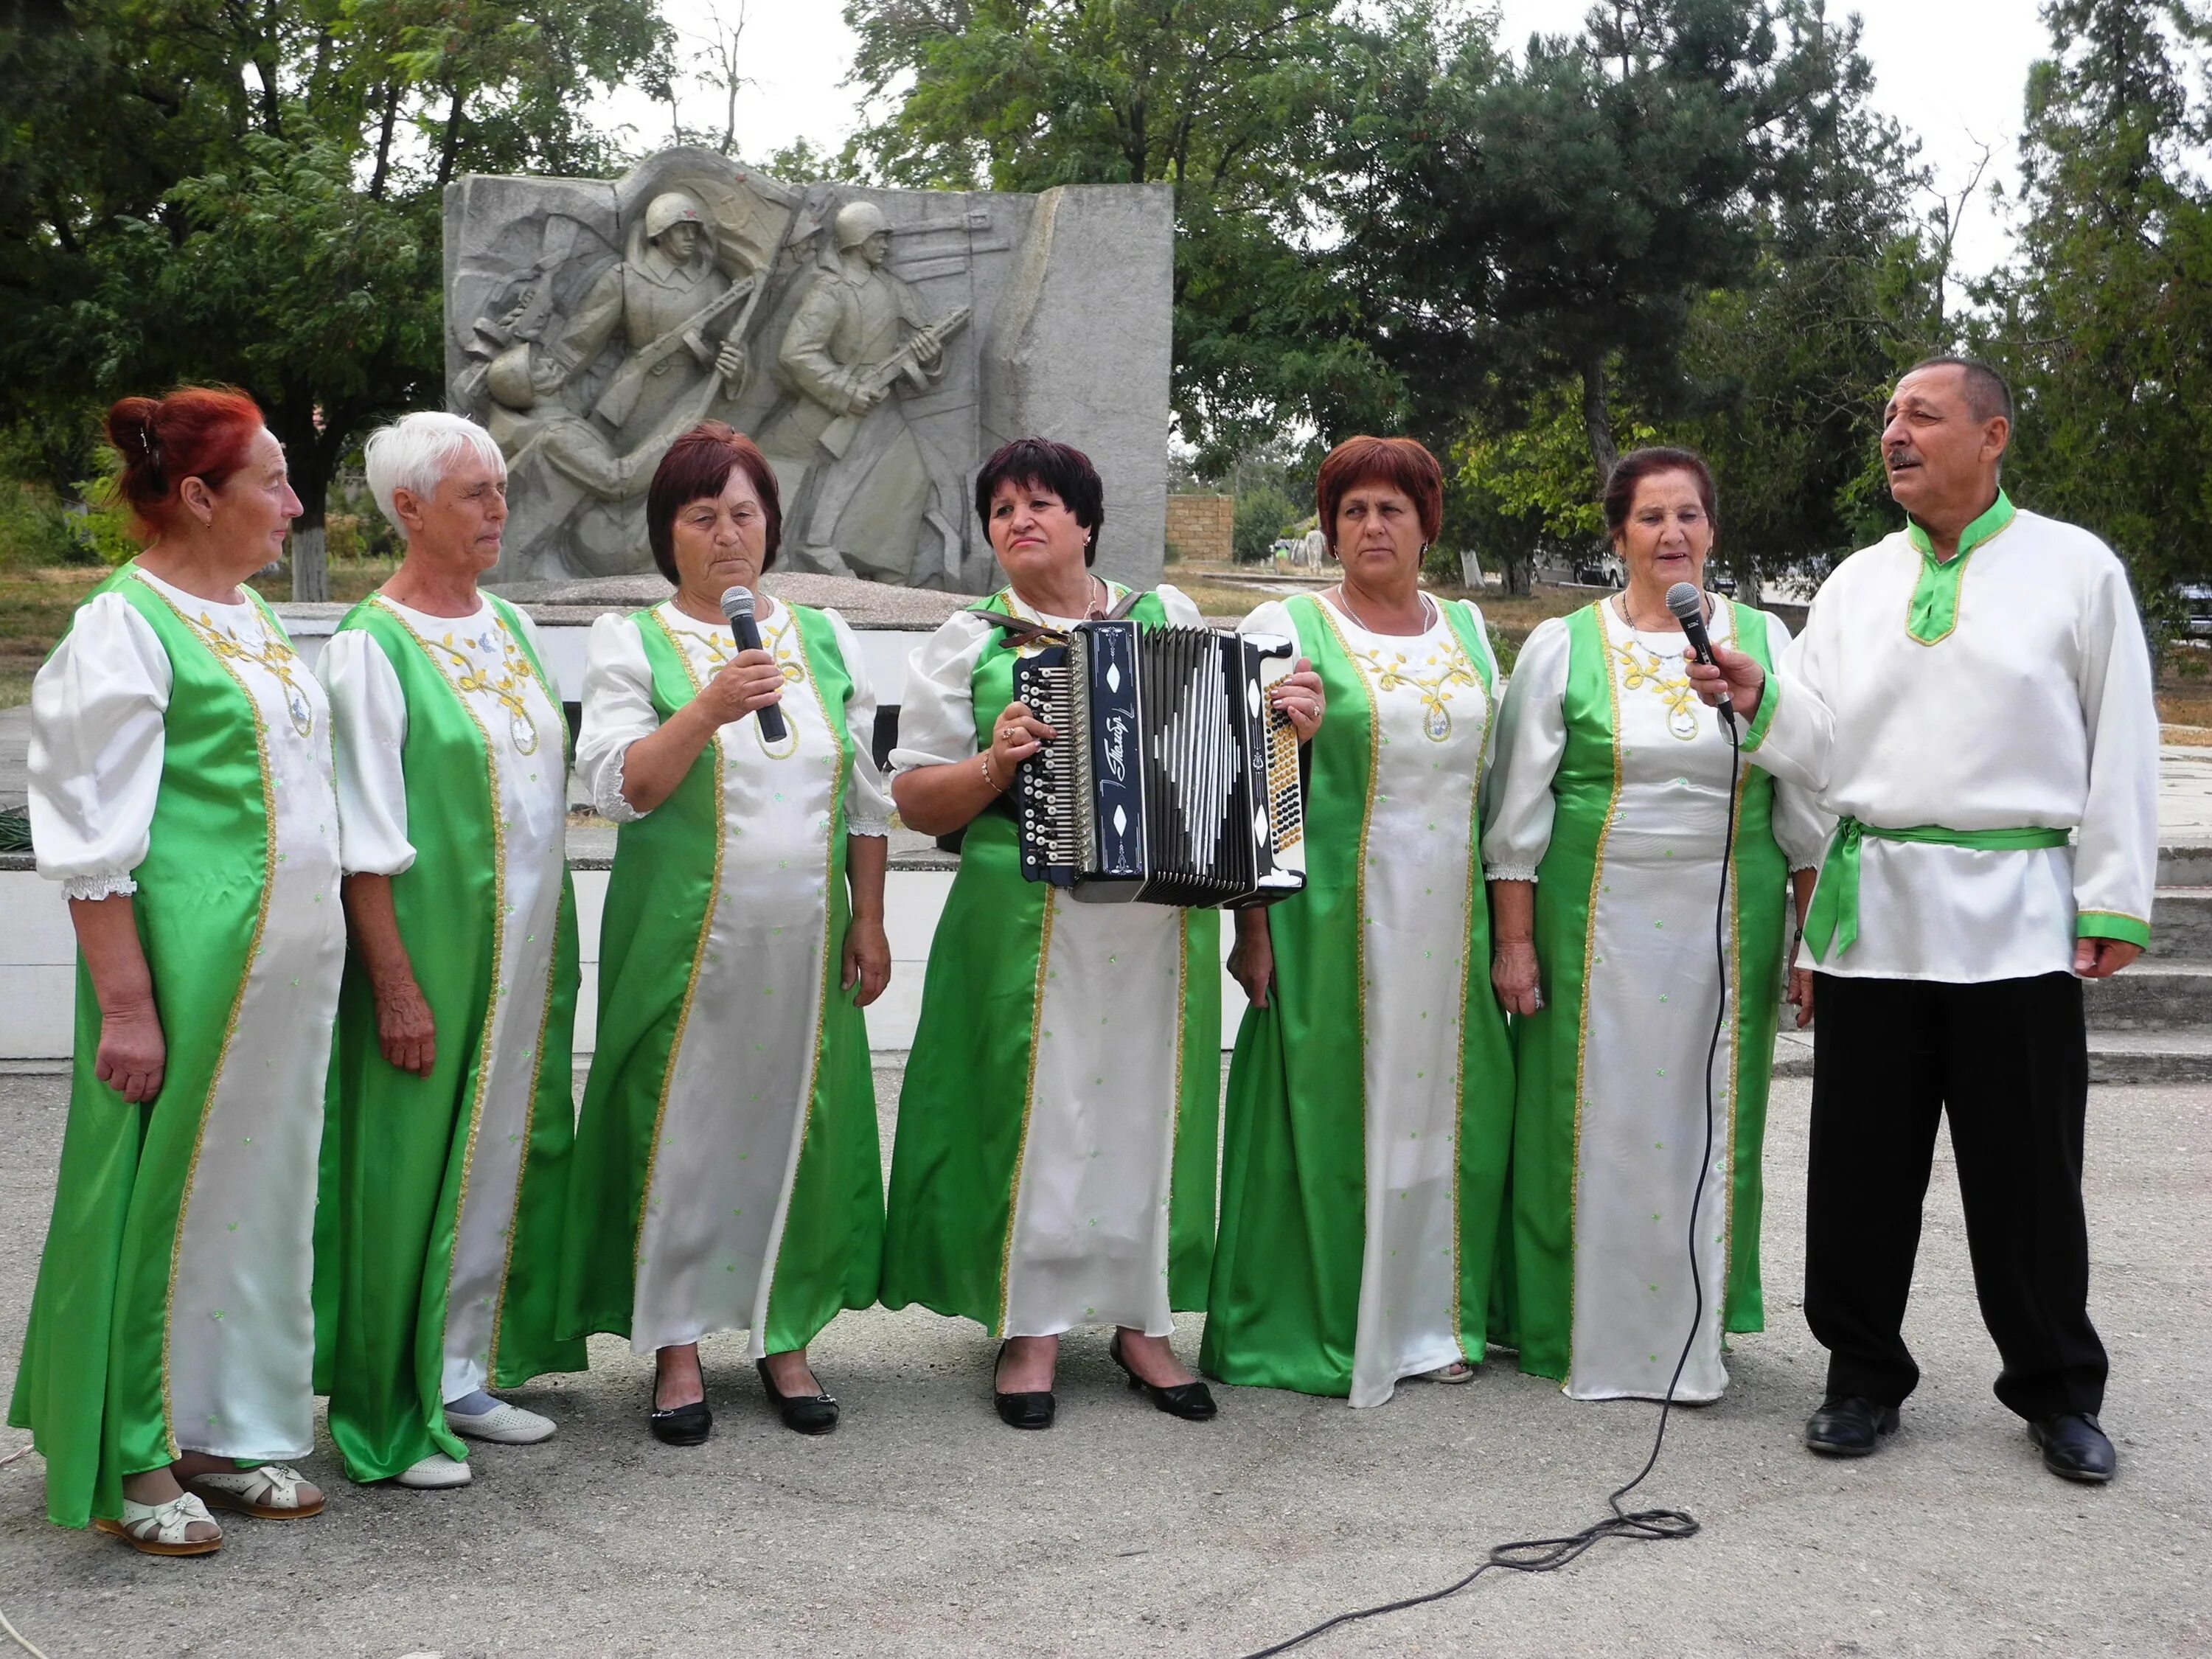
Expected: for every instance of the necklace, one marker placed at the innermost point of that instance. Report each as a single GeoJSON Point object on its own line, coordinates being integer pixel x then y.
{"type": "Point", "coordinates": [1620, 603]}
{"type": "Point", "coordinates": [1094, 609]}
{"type": "Point", "coordinates": [1428, 612]}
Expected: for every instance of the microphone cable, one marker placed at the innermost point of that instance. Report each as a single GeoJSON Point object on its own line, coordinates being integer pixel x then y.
{"type": "Point", "coordinates": [1550, 1554]}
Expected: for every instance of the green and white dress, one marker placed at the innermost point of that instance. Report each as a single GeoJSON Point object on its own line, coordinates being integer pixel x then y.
{"type": "Point", "coordinates": [438, 1248]}
{"type": "Point", "coordinates": [1055, 1163]}
{"type": "Point", "coordinates": [1370, 1103]}
{"type": "Point", "coordinates": [1611, 794]}
{"type": "Point", "coordinates": [727, 1173]}
{"type": "Point", "coordinates": [181, 752]}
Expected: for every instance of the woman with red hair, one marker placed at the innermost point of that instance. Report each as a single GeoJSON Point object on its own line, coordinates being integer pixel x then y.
{"type": "Point", "coordinates": [181, 789]}
{"type": "Point", "coordinates": [1370, 1098]}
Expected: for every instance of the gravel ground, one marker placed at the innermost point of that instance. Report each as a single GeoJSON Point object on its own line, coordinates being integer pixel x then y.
{"type": "Point", "coordinates": [923, 1527]}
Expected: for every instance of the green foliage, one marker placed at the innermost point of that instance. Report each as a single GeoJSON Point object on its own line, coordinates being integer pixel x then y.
{"type": "Point", "coordinates": [253, 194]}
{"type": "Point", "coordinates": [35, 528]}
{"type": "Point", "coordinates": [1229, 100]}
{"type": "Point", "coordinates": [2104, 322]}
{"type": "Point", "coordinates": [1263, 513]}
{"type": "Point", "coordinates": [1526, 491]}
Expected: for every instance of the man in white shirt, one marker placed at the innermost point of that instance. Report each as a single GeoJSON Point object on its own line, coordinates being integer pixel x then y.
{"type": "Point", "coordinates": [1969, 696]}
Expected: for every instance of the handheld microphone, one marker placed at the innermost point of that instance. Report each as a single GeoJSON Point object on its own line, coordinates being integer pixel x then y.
{"type": "Point", "coordinates": [737, 607]}
{"type": "Point", "coordinates": [1689, 608]}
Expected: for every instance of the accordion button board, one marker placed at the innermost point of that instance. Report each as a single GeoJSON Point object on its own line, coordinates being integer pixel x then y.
{"type": "Point", "coordinates": [1172, 780]}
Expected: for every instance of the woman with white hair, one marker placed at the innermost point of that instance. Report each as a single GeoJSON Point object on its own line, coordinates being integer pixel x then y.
{"type": "Point", "coordinates": [445, 1166]}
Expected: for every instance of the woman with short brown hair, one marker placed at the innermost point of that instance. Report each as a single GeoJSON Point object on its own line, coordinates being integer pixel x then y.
{"type": "Point", "coordinates": [726, 1173]}
{"type": "Point", "coordinates": [1371, 1096]}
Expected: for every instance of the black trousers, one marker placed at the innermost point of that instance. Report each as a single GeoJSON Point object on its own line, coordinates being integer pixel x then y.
{"type": "Point", "coordinates": [2009, 1061]}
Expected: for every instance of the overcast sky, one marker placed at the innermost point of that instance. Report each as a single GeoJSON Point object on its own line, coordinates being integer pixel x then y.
{"type": "Point", "coordinates": [1951, 71]}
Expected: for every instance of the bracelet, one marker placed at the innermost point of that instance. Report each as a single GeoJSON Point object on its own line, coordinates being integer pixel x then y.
{"type": "Point", "coordinates": [997, 788]}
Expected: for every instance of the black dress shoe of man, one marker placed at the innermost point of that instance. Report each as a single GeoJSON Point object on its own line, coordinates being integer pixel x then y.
{"type": "Point", "coordinates": [2074, 1447]}
{"type": "Point", "coordinates": [1848, 1426]}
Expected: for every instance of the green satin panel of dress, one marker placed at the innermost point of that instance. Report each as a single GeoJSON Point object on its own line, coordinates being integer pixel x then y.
{"type": "Point", "coordinates": [1547, 1046]}
{"type": "Point", "coordinates": [396, 1146]}
{"type": "Point", "coordinates": [965, 1100]}
{"type": "Point", "coordinates": [652, 936]}
{"type": "Point", "coordinates": [1284, 1311]}
{"type": "Point", "coordinates": [92, 1388]}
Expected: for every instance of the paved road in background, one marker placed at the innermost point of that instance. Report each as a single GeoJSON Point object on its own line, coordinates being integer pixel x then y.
{"type": "Point", "coordinates": [923, 1526]}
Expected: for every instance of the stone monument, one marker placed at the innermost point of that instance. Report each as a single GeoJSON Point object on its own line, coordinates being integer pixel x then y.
{"type": "Point", "coordinates": [876, 344]}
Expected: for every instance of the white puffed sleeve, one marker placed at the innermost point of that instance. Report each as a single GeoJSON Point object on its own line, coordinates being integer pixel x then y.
{"type": "Point", "coordinates": [1182, 609]}
{"type": "Point", "coordinates": [1273, 616]}
{"type": "Point", "coordinates": [2116, 849]}
{"type": "Point", "coordinates": [617, 711]}
{"type": "Point", "coordinates": [867, 800]}
{"type": "Point", "coordinates": [98, 739]}
{"type": "Point", "coordinates": [369, 718]}
{"type": "Point", "coordinates": [1802, 828]}
{"type": "Point", "coordinates": [936, 714]}
{"type": "Point", "coordinates": [1532, 737]}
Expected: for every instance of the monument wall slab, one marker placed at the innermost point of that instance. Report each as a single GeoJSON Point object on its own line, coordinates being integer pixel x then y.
{"type": "Point", "coordinates": [876, 344]}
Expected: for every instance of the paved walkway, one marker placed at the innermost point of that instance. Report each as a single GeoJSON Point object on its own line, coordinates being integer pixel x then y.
{"type": "Point", "coordinates": [923, 1528]}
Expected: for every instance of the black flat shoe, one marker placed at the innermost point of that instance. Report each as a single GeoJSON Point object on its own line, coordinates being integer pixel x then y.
{"type": "Point", "coordinates": [1021, 1411]}
{"type": "Point", "coordinates": [1191, 1401]}
{"type": "Point", "coordinates": [1850, 1427]}
{"type": "Point", "coordinates": [2074, 1447]}
{"type": "Point", "coordinates": [681, 1426]}
{"type": "Point", "coordinates": [804, 1413]}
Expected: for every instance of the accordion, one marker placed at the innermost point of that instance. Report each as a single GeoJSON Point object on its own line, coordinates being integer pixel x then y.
{"type": "Point", "coordinates": [1172, 780]}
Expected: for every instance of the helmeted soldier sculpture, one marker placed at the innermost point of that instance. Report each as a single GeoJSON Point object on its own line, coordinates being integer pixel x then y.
{"type": "Point", "coordinates": [865, 489]}
{"type": "Point", "coordinates": [678, 315]}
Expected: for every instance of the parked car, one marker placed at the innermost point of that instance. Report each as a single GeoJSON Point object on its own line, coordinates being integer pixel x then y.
{"type": "Point", "coordinates": [2196, 609]}
{"type": "Point", "coordinates": [1600, 570]}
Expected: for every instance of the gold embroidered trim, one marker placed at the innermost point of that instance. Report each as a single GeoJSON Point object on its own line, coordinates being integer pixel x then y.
{"type": "Point", "coordinates": [831, 974]}
{"type": "Point", "coordinates": [1466, 967]}
{"type": "Point", "coordinates": [1028, 1108]}
{"type": "Point", "coordinates": [1958, 604]}
{"type": "Point", "coordinates": [1589, 953]}
{"type": "Point", "coordinates": [473, 681]}
{"type": "Point", "coordinates": [230, 1025]}
{"type": "Point", "coordinates": [1436, 690]}
{"type": "Point", "coordinates": [698, 958]}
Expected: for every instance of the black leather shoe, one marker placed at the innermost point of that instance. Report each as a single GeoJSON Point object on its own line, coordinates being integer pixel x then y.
{"type": "Point", "coordinates": [1021, 1411]}
{"type": "Point", "coordinates": [681, 1426]}
{"type": "Point", "coordinates": [1191, 1401]}
{"type": "Point", "coordinates": [2074, 1447]}
{"type": "Point", "coordinates": [806, 1413]}
{"type": "Point", "coordinates": [1850, 1427]}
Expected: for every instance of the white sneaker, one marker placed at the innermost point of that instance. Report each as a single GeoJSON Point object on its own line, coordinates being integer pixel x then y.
{"type": "Point", "coordinates": [504, 1424]}
{"type": "Point", "coordinates": [433, 1473]}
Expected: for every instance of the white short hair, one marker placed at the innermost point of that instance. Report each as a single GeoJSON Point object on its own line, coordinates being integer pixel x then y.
{"type": "Point", "coordinates": [416, 451]}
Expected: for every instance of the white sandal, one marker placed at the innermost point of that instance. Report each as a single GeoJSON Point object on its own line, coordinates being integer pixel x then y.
{"type": "Point", "coordinates": [1455, 1373]}
{"type": "Point", "coordinates": [159, 1528]}
{"type": "Point", "coordinates": [270, 1492]}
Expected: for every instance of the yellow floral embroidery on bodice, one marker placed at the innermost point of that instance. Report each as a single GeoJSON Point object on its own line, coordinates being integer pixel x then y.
{"type": "Point", "coordinates": [1446, 670]}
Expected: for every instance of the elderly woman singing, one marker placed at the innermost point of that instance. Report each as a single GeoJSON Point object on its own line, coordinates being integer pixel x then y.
{"type": "Point", "coordinates": [447, 1171]}
{"type": "Point", "coordinates": [1370, 1095]}
{"type": "Point", "coordinates": [727, 1172]}
{"type": "Point", "coordinates": [1611, 837]}
{"type": "Point", "coordinates": [1055, 1165]}
{"type": "Point", "coordinates": [181, 789]}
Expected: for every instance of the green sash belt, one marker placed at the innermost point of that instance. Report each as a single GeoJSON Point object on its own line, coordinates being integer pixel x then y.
{"type": "Point", "coordinates": [1832, 919]}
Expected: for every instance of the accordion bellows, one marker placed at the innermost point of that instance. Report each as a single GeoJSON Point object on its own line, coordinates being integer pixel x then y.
{"type": "Point", "coordinates": [1172, 780]}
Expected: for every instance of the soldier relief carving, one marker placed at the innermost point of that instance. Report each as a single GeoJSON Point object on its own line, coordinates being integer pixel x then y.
{"type": "Point", "coordinates": [796, 316]}
{"type": "Point", "coordinates": [877, 344]}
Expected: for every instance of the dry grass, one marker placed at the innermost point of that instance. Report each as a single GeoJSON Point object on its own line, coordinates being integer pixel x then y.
{"type": "Point", "coordinates": [35, 606]}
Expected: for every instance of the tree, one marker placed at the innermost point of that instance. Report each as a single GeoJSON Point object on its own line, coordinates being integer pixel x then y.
{"type": "Point", "coordinates": [1558, 217]}
{"type": "Point", "coordinates": [212, 190]}
{"type": "Point", "coordinates": [2105, 323]}
{"type": "Point", "coordinates": [1228, 101]}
